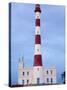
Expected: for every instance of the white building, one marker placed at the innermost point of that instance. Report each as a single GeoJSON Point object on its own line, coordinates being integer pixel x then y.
{"type": "Point", "coordinates": [26, 75]}
{"type": "Point", "coordinates": [37, 75]}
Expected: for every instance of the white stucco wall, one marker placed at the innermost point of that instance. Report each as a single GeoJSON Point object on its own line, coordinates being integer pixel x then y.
{"type": "Point", "coordinates": [37, 72]}
{"type": "Point", "coordinates": [37, 31]}
{"type": "Point", "coordinates": [50, 75]}
{"type": "Point", "coordinates": [37, 49]}
{"type": "Point", "coordinates": [37, 15]}
{"type": "Point", "coordinates": [20, 69]}
{"type": "Point", "coordinates": [26, 77]}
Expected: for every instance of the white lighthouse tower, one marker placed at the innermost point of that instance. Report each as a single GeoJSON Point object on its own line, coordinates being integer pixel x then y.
{"type": "Point", "coordinates": [37, 66]}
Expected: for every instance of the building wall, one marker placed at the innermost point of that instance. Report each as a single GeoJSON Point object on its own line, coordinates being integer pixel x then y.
{"type": "Point", "coordinates": [37, 16]}
{"type": "Point", "coordinates": [38, 74]}
{"type": "Point", "coordinates": [30, 76]}
{"type": "Point", "coordinates": [27, 76]}
{"type": "Point", "coordinates": [20, 69]}
{"type": "Point", "coordinates": [50, 76]}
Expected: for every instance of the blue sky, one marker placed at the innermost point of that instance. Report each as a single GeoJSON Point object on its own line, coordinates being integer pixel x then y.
{"type": "Point", "coordinates": [23, 35]}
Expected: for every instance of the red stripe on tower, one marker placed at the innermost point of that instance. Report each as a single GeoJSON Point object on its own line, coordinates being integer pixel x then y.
{"type": "Point", "coordinates": [37, 55]}
{"type": "Point", "coordinates": [37, 60]}
{"type": "Point", "coordinates": [37, 39]}
{"type": "Point", "coordinates": [37, 22]}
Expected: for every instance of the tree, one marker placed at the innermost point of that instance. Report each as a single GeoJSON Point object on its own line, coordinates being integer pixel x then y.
{"type": "Point", "coordinates": [63, 77]}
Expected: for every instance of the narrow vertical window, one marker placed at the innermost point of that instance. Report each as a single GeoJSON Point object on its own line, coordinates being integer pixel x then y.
{"type": "Point", "coordinates": [51, 71]}
{"type": "Point", "coordinates": [27, 73]}
{"type": "Point", "coordinates": [37, 49]}
{"type": "Point", "coordinates": [51, 80]}
{"type": "Point", "coordinates": [38, 80]}
{"type": "Point", "coordinates": [47, 80]}
{"type": "Point", "coordinates": [37, 32]}
{"type": "Point", "coordinates": [23, 73]}
{"type": "Point", "coordinates": [23, 82]}
{"type": "Point", "coordinates": [27, 81]}
{"type": "Point", "coordinates": [47, 71]}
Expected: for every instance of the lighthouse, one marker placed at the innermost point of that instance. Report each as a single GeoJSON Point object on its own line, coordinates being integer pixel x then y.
{"type": "Point", "coordinates": [36, 75]}
{"type": "Point", "coordinates": [37, 66]}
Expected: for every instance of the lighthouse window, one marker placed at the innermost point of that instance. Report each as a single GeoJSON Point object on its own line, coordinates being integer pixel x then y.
{"type": "Point", "coordinates": [27, 73]}
{"type": "Point", "coordinates": [23, 73]}
{"type": "Point", "coordinates": [37, 32]}
{"type": "Point", "coordinates": [47, 71]}
{"type": "Point", "coordinates": [51, 72]}
{"type": "Point", "coordinates": [37, 49]}
{"type": "Point", "coordinates": [38, 69]}
{"type": "Point", "coordinates": [23, 82]}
